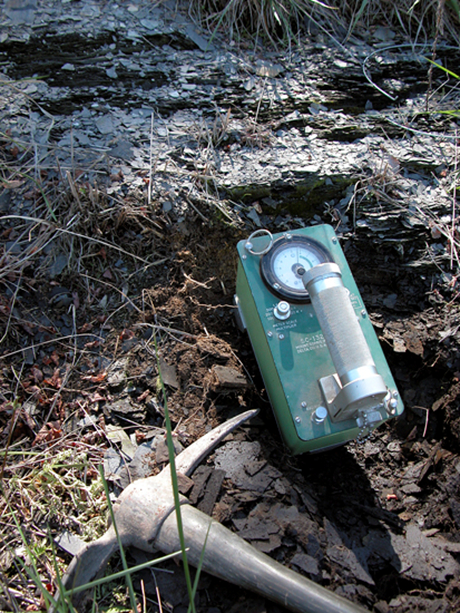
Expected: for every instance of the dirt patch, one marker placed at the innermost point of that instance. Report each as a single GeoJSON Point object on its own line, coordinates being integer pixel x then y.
{"type": "Point", "coordinates": [343, 517]}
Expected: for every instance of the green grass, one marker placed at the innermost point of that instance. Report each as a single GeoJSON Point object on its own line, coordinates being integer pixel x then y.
{"type": "Point", "coordinates": [64, 603]}
{"type": "Point", "coordinates": [56, 487]}
{"type": "Point", "coordinates": [191, 589]}
{"type": "Point", "coordinates": [450, 112]}
{"type": "Point", "coordinates": [44, 490]}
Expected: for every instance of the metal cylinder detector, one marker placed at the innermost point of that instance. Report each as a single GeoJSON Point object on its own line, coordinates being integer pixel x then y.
{"type": "Point", "coordinates": [323, 368]}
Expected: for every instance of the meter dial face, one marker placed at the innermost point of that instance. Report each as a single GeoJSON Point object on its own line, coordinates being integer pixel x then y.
{"type": "Point", "coordinates": [282, 268]}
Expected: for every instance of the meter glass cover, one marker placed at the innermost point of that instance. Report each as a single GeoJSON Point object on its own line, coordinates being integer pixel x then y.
{"type": "Point", "coordinates": [282, 268]}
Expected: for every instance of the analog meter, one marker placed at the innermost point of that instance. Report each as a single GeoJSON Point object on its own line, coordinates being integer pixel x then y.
{"type": "Point", "coordinates": [284, 265]}
{"type": "Point", "coordinates": [323, 367]}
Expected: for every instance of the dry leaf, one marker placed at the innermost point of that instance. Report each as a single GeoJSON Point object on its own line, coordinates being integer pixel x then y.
{"type": "Point", "coordinates": [96, 378]}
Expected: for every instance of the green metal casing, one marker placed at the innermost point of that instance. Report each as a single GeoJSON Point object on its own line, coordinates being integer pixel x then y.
{"type": "Point", "coordinates": [293, 355]}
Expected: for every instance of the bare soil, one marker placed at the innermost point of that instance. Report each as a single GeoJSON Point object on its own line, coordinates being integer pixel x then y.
{"type": "Point", "coordinates": [350, 504]}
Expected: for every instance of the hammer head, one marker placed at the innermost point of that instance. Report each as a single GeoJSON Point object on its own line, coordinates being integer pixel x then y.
{"type": "Point", "coordinates": [142, 508]}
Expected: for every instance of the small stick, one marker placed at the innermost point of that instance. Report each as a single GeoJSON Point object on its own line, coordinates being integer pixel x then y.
{"type": "Point", "coordinates": [149, 187]}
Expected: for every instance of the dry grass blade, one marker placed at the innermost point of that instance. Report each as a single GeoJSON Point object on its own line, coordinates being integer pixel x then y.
{"type": "Point", "coordinates": [276, 20]}
{"type": "Point", "coordinates": [92, 246]}
{"type": "Point", "coordinates": [280, 21]}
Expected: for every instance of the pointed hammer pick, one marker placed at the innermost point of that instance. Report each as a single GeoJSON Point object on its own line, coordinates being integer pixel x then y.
{"type": "Point", "coordinates": [145, 518]}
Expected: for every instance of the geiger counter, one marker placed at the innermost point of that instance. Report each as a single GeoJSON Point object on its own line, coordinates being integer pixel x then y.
{"type": "Point", "coordinates": [323, 367]}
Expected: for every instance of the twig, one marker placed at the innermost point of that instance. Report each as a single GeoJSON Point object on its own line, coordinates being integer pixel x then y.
{"type": "Point", "coordinates": [366, 72]}
{"type": "Point", "coordinates": [78, 235]}
{"type": "Point", "coordinates": [20, 91]}
{"type": "Point", "coordinates": [11, 309]}
{"type": "Point", "coordinates": [204, 285]}
{"type": "Point", "coordinates": [190, 203]}
{"type": "Point", "coordinates": [442, 136]}
{"type": "Point", "coordinates": [157, 592]}
{"type": "Point", "coordinates": [60, 390]}
{"type": "Point", "coordinates": [116, 289]}
{"type": "Point", "coordinates": [151, 147]}
{"type": "Point", "coordinates": [453, 210]}
{"type": "Point", "coordinates": [438, 31]}
{"type": "Point", "coordinates": [73, 189]}
{"type": "Point", "coordinates": [426, 424]}
{"type": "Point", "coordinates": [59, 339]}
{"type": "Point", "coordinates": [255, 121]}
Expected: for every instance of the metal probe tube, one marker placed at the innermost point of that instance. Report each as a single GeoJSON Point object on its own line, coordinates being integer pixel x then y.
{"type": "Point", "coordinates": [363, 388]}
{"type": "Point", "coordinates": [344, 337]}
